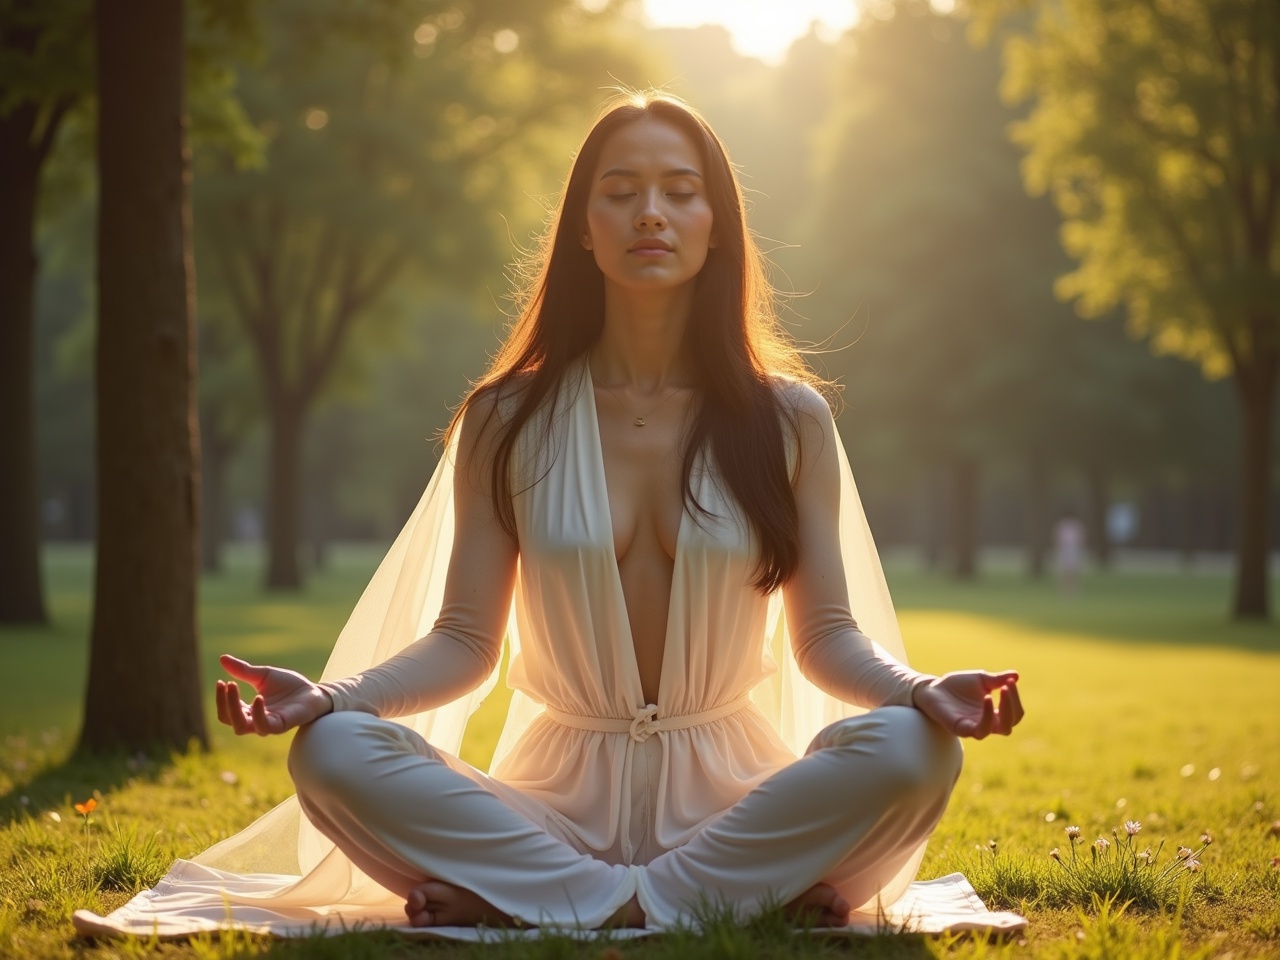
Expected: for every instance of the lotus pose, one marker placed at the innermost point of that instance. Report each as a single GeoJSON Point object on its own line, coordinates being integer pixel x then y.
{"type": "Point", "coordinates": [648, 498]}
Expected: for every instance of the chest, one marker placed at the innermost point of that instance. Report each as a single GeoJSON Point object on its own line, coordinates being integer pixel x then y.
{"type": "Point", "coordinates": [642, 473]}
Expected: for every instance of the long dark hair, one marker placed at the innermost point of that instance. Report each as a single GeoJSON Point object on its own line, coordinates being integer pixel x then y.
{"type": "Point", "coordinates": [737, 349]}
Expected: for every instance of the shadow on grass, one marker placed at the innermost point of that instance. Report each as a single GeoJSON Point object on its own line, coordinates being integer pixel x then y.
{"type": "Point", "coordinates": [77, 777]}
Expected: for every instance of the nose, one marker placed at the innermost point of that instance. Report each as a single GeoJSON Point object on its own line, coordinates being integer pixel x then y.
{"type": "Point", "coordinates": [650, 216]}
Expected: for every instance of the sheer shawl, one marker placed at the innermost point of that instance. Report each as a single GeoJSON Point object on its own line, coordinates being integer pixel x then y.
{"type": "Point", "coordinates": [401, 603]}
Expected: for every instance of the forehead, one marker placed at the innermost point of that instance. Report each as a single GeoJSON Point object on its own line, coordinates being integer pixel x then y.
{"type": "Point", "coordinates": [646, 144]}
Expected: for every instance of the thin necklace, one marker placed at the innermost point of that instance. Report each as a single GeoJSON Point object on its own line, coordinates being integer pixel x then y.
{"type": "Point", "coordinates": [641, 420]}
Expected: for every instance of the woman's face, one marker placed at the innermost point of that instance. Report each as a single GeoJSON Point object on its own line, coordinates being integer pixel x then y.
{"type": "Point", "coordinates": [648, 215]}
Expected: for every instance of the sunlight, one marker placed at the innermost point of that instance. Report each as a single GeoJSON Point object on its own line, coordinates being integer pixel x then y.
{"type": "Point", "coordinates": [759, 28]}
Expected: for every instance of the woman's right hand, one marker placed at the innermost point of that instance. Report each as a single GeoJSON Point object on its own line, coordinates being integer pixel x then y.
{"type": "Point", "coordinates": [284, 699]}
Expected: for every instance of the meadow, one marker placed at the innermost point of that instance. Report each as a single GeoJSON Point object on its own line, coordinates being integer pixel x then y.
{"type": "Point", "coordinates": [1146, 706]}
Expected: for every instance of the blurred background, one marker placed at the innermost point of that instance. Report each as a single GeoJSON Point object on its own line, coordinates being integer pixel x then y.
{"type": "Point", "coordinates": [365, 175]}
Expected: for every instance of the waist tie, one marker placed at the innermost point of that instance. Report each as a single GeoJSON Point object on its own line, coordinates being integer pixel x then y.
{"type": "Point", "coordinates": [640, 728]}
{"type": "Point", "coordinates": [646, 721]}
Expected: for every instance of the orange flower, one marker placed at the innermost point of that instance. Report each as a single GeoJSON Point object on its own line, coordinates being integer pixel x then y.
{"type": "Point", "coordinates": [86, 808]}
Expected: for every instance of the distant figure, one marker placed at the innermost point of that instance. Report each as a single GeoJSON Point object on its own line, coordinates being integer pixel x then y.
{"type": "Point", "coordinates": [1068, 543]}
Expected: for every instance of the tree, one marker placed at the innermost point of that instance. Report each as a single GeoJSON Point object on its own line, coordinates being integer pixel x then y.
{"type": "Point", "coordinates": [144, 678]}
{"type": "Point", "coordinates": [928, 245]}
{"type": "Point", "coordinates": [390, 129]}
{"type": "Point", "coordinates": [1155, 129]}
{"type": "Point", "coordinates": [44, 74]}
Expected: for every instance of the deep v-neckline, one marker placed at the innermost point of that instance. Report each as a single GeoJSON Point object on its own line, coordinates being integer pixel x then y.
{"type": "Point", "coordinates": [611, 548]}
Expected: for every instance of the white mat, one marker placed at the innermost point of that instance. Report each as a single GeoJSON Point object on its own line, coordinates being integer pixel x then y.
{"type": "Point", "coordinates": [190, 900]}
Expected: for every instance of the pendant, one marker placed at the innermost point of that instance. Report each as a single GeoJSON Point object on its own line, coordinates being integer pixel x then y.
{"type": "Point", "coordinates": [638, 421]}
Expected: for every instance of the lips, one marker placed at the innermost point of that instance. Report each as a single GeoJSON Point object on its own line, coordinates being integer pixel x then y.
{"type": "Point", "coordinates": [650, 245]}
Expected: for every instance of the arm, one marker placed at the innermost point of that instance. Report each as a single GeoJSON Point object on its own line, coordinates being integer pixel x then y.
{"type": "Point", "coordinates": [451, 660]}
{"type": "Point", "coordinates": [465, 643]}
{"type": "Point", "coordinates": [829, 648]}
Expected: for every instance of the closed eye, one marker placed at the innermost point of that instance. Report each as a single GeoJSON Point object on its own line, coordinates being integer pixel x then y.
{"type": "Point", "coordinates": [682, 196]}
{"type": "Point", "coordinates": [620, 196]}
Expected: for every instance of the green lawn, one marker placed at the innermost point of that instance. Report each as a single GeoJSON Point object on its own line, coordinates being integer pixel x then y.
{"type": "Point", "coordinates": [1144, 703]}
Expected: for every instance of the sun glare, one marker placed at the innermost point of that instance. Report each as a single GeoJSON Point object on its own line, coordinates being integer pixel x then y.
{"type": "Point", "coordinates": [758, 28]}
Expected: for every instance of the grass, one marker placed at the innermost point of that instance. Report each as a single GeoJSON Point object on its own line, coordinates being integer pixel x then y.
{"type": "Point", "coordinates": [1144, 703]}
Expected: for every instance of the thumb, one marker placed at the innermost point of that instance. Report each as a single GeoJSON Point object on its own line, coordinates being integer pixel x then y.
{"type": "Point", "coordinates": [242, 669]}
{"type": "Point", "coordinates": [994, 681]}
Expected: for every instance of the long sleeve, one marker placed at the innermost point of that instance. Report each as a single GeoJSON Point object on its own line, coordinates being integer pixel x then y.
{"type": "Point", "coordinates": [450, 661]}
{"type": "Point", "coordinates": [828, 647]}
{"type": "Point", "coordinates": [465, 643]}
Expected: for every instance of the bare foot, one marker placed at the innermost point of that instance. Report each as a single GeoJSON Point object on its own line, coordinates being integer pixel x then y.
{"type": "Point", "coordinates": [819, 906]}
{"type": "Point", "coordinates": [434, 903]}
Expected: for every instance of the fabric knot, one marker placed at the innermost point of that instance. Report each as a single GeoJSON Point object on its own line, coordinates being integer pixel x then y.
{"type": "Point", "coordinates": [642, 725]}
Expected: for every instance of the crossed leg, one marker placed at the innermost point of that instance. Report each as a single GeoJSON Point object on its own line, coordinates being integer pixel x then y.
{"type": "Point", "coordinates": [823, 835]}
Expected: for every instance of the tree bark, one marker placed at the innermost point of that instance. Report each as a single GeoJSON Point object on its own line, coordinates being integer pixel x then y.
{"type": "Point", "coordinates": [144, 676]}
{"type": "Point", "coordinates": [964, 518]}
{"type": "Point", "coordinates": [1256, 390]}
{"type": "Point", "coordinates": [22, 596]}
{"type": "Point", "coordinates": [283, 514]}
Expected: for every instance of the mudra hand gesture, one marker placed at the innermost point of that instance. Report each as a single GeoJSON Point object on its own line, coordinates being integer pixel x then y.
{"type": "Point", "coordinates": [963, 704]}
{"type": "Point", "coordinates": [284, 699]}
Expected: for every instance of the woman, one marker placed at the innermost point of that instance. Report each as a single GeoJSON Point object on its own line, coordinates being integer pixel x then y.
{"type": "Point", "coordinates": [644, 467]}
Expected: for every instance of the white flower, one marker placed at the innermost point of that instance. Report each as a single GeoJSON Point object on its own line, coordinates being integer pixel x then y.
{"type": "Point", "coordinates": [1073, 833]}
{"type": "Point", "coordinates": [1145, 855]}
{"type": "Point", "coordinates": [1184, 853]}
{"type": "Point", "coordinates": [1056, 854]}
{"type": "Point", "coordinates": [1131, 827]}
{"type": "Point", "coordinates": [1193, 866]}
{"type": "Point", "coordinates": [1206, 838]}
{"type": "Point", "coordinates": [1101, 844]}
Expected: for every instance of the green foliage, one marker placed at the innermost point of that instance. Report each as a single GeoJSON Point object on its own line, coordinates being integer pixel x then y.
{"type": "Point", "coordinates": [1155, 130]}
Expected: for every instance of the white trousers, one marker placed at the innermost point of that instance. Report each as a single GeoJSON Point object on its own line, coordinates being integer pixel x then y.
{"type": "Point", "coordinates": [851, 812]}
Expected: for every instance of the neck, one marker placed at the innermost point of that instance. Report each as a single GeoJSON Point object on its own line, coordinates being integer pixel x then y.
{"type": "Point", "coordinates": [642, 344]}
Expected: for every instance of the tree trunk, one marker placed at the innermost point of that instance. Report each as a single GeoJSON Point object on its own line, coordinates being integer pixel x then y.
{"type": "Point", "coordinates": [22, 595]}
{"type": "Point", "coordinates": [1037, 517]}
{"type": "Point", "coordinates": [144, 675]}
{"type": "Point", "coordinates": [964, 518]}
{"type": "Point", "coordinates": [1256, 391]}
{"type": "Point", "coordinates": [1099, 500]}
{"type": "Point", "coordinates": [283, 514]}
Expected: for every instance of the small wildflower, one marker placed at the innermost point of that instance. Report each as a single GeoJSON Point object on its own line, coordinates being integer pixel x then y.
{"type": "Point", "coordinates": [992, 844]}
{"type": "Point", "coordinates": [1073, 833]}
{"type": "Point", "coordinates": [1275, 863]}
{"type": "Point", "coordinates": [1056, 854]}
{"type": "Point", "coordinates": [1193, 865]}
{"type": "Point", "coordinates": [1206, 838]}
{"type": "Point", "coordinates": [55, 816]}
{"type": "Point", "coordinates": [1101, 844]}
{"type": "Point", "coordinates": [229, 777]}
{"type": "Point", "coordinates": [1184, 853]}
{"type": "Point", "coordinates": [86, 808]}
{"type": "Point", "coordinates": [1145, 855]}
{"type": "Point", "coordinates": [1275, 828]}
{"type": "Point", "coordinates": [1131, 827]}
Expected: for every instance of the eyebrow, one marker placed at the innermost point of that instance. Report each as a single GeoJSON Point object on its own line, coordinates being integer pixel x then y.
{"type": "Point", "coordinates": [678, 172]}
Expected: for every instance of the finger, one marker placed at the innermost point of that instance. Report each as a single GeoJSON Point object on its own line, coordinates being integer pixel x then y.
{"type": "Point", "coordinates": [261, 722]}
{"type": "Point", "coordinates": [1014, 700]}
{"type": "Point", "coordinates": [983, 727]}
{"type": "Point", "coordinates": [235, 707]}
{"type": "Point", "coordinates": [220, 701]}
{"type": "Point", "coordinates": [994, 681]}
{"type": "Point", "coordinates": [242, 669]}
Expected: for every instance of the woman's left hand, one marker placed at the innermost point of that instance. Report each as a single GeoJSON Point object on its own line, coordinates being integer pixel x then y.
{"type": "Point", "coordinates": [963, 702]}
